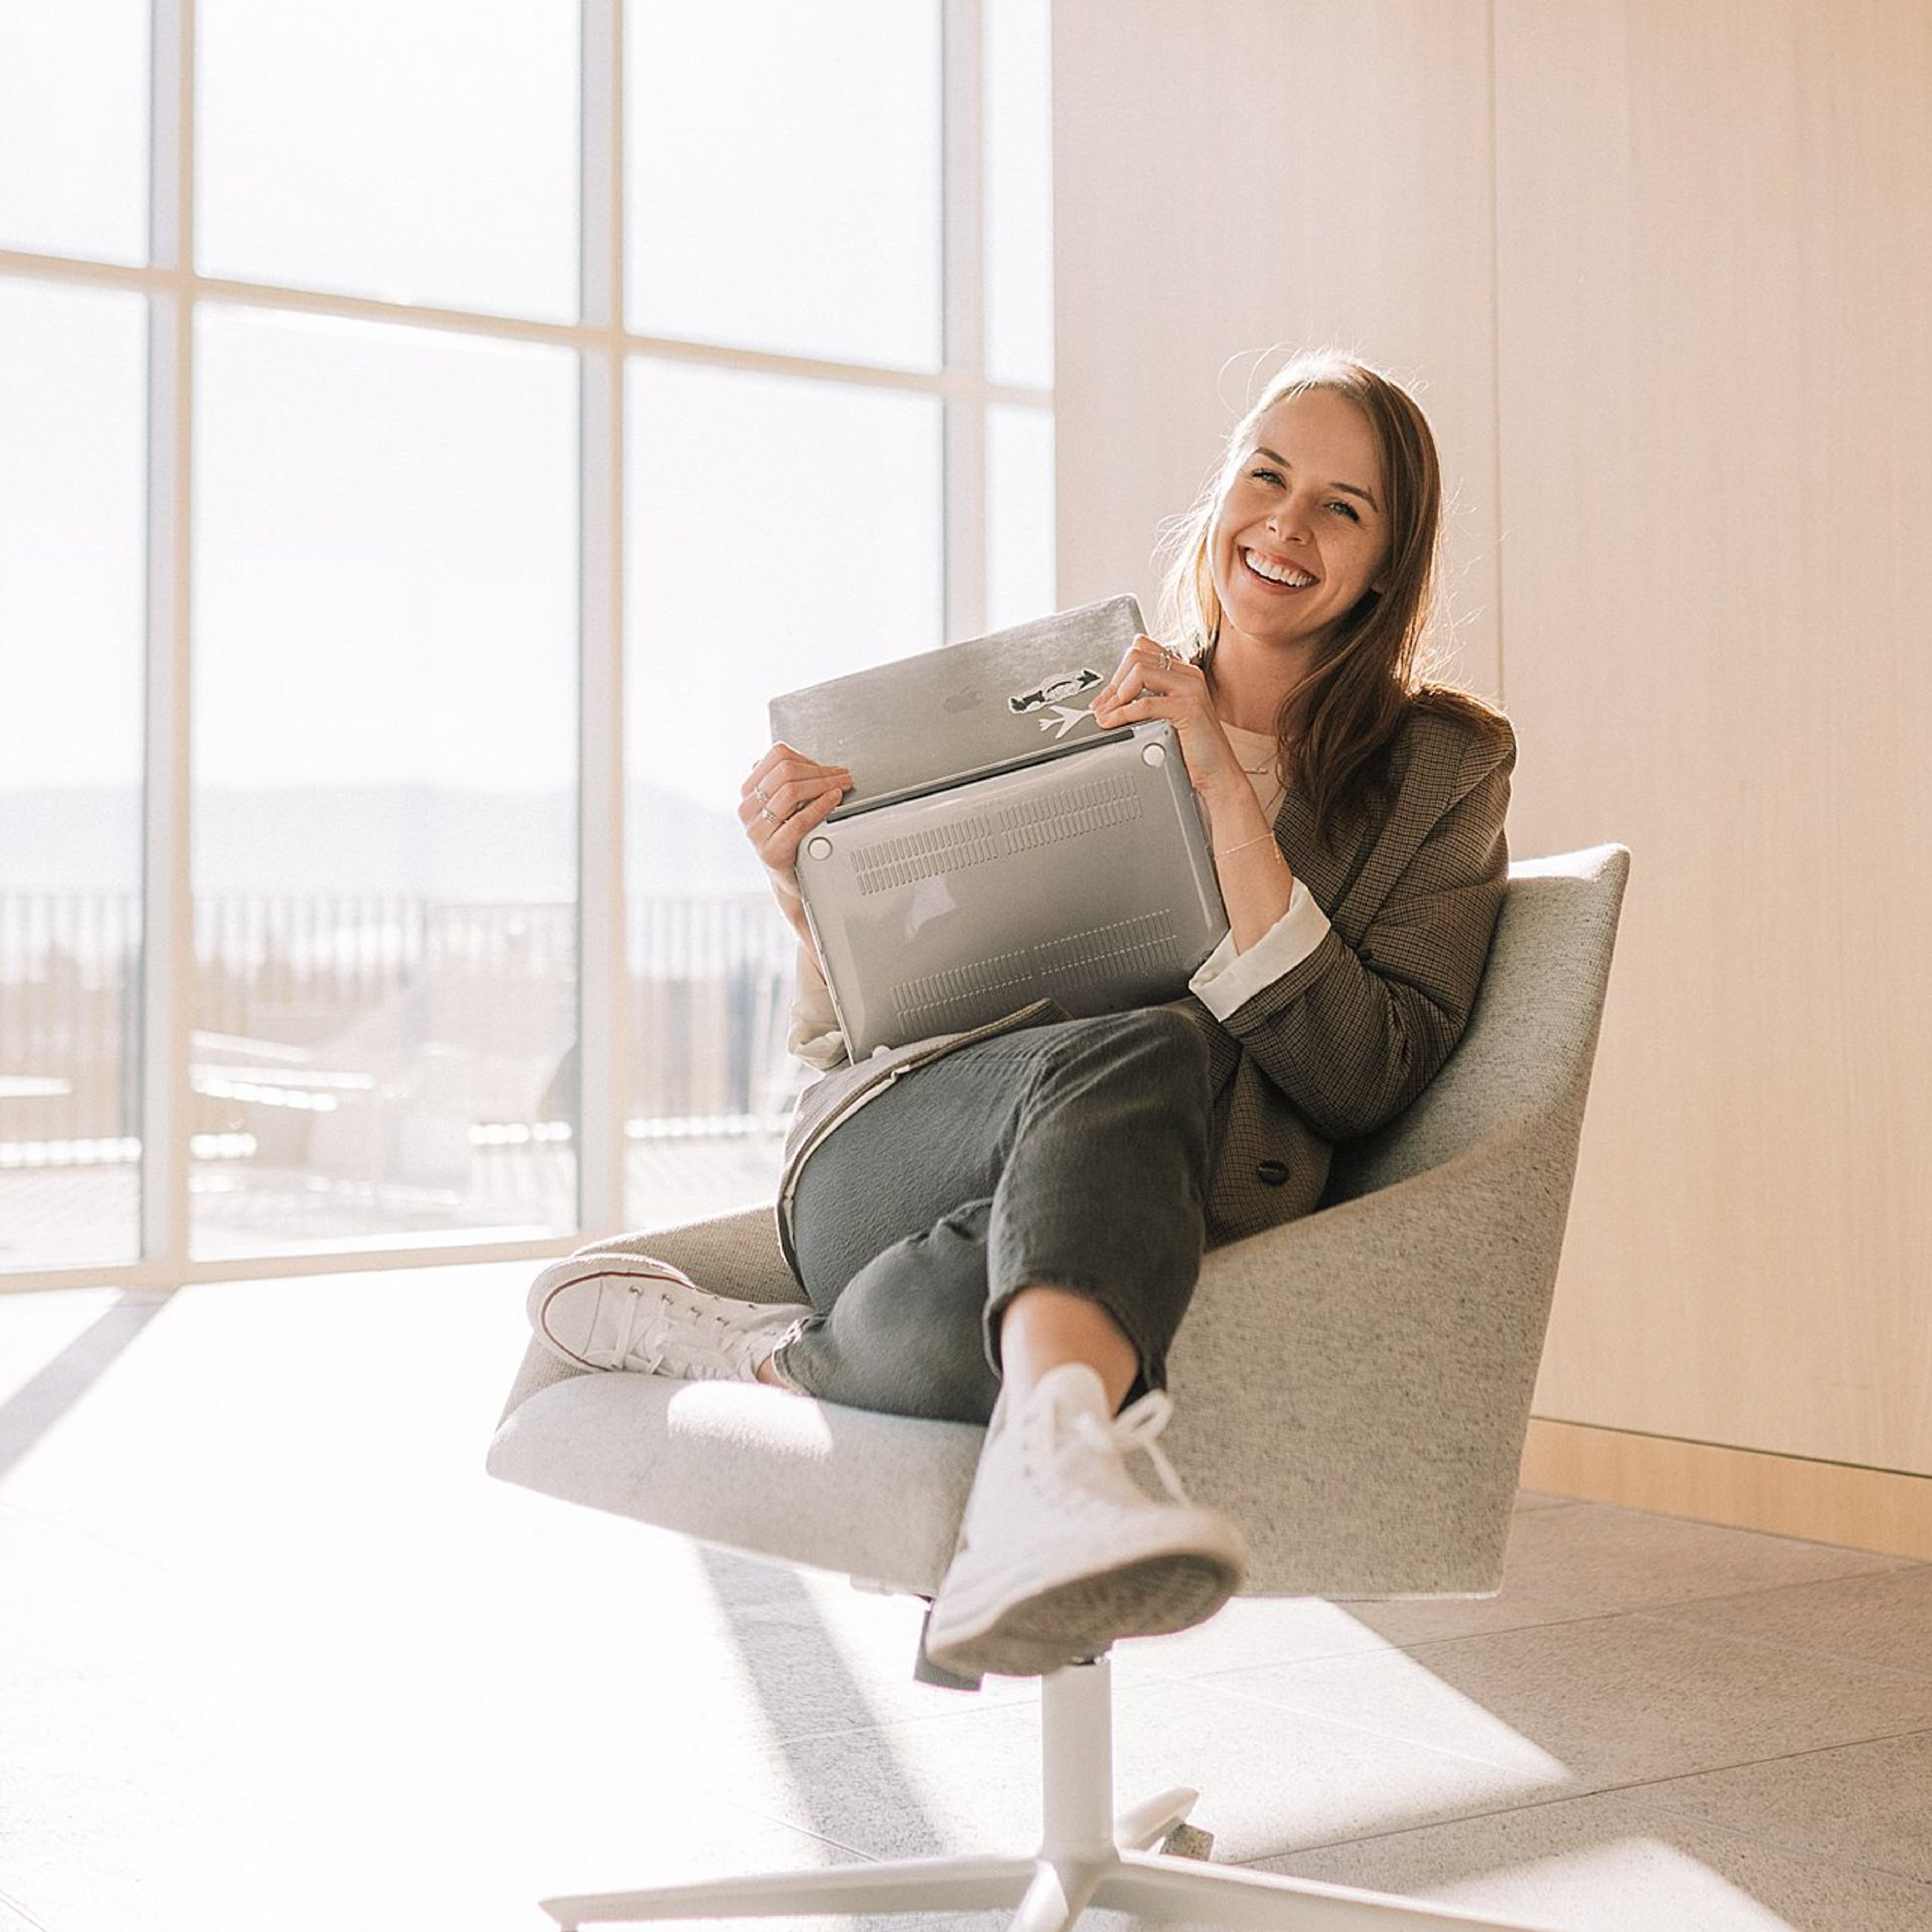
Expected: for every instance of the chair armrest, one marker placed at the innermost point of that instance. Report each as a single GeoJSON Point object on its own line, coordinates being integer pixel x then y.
{"type": "Point", "coordinates": [736, 1254]}
{"type": "Point", "coordinates": [1353, 1388]}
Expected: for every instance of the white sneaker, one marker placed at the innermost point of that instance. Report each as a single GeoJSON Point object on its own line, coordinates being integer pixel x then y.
{"type": "Point", "coordinates": [1061, 1552]}
{"type": "Point", "coordinates": [618, 1311]}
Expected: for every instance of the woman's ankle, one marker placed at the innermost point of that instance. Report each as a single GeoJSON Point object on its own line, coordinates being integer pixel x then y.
{"type": "Point", "coordinates": [1043, 1327]}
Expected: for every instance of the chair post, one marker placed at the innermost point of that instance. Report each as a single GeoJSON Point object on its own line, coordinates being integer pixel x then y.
{"type": "Point", "coordinates": [1076, 1742]}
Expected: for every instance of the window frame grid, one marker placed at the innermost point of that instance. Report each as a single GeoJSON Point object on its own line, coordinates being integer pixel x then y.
{"type": "Point", "coordinates": [604, 348]}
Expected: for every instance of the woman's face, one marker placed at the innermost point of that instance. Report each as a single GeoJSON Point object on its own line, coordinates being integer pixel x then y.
{"type": "Point", "coordinates": [1301, 530]}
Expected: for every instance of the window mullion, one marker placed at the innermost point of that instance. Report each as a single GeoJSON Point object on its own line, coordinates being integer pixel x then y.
{"type": "Point", "coordinates": [167, 946]}
{"type": "Point", "coordinates": [603, 1055]}
{"type": "Point", "coordinates": [963, 267]}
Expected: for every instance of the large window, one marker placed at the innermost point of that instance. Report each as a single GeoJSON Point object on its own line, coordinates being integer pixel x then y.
{"type": "Point", "coordinates": [430, 431]}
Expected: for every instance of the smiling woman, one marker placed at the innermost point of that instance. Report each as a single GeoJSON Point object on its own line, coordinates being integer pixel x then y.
{"type": "Point", "coordinates": [1294, 550]}
{"type": "Point", "coordinates": [1005, 1225]}
{"type": "Point", "coordinates": [1305, 576]}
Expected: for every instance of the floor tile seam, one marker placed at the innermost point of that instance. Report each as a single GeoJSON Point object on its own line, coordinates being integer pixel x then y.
{"type": "Point", "coordinates": [1575, 1784]}
{"type": "Point", "coordinates": [1615, 1795]}
{"type": "Point", "coordinates": [717, 1796]}
{"type": "Point", "coordinates": [1122, 1689]}
{"type": "Point", "coordinates": [1875, 1564]}
{"type": "Point", "coordinates": [29, 1921]}
{"type": "Point", "coordinates": [1421, 1652]}
{"type": "Point", "coordinates": [1382, 1736]}
{"type": "Point", "coordinates": [1775, 1757]}
{"type": "Point", "coordinates": [54, 1519]}
{"type": "Point", "coordinates": [1648, 1605]}
{"type": "Point", "coordinates": [1767, 1535]}
{"type": "Point", "coordinates": [1433, 1643]}
{"type": "Point", "coordinates": [775, 1741]}
{"type": "Point", "coordinates": [1788, 1646]}
{"type": "Point", "coordinates": [1169, 1674]}
{"type": "Point", "coordinates": [1475, 1816]}
{"type": "Point", "coordinates": [1811, 1853]}
{"type": "Point", "coordinates": [762, 1742]}
{"type": "Point", "coordinates": [1173, 1680]}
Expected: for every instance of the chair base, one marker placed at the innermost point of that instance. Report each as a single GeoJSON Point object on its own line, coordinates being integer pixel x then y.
{"type": "Point", "coordinates": [1088, 1857]}
{"type": "Point", "coordinates": [1045, 1894]}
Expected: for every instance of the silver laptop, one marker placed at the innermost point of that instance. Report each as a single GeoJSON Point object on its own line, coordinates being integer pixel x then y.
{"type": "Point", "coordinates": [963, 712]}
{"type": "Point", "coordinates": [970, 872]}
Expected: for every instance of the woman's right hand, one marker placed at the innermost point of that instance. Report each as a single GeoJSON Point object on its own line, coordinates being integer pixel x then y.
{"type": "Point", "coordinates": [787, 796]}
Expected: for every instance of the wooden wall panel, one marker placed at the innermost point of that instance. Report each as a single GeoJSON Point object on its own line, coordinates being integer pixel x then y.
{"type": "Point", "coordinates": [1667, 272]}
{"type": "Point", "coordinates": [1828, 1502]}
{"type": "Point", "coordinates": [1714, 291]}
{"type": "Point", "coordinates": [1236, 179]}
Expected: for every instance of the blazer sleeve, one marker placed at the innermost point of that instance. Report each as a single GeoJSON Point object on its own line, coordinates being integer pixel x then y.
{"type": "Point", "coordinates": [1353, 1032]}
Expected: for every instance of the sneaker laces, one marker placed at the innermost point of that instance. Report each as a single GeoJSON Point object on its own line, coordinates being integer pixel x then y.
{"type": "Point", "coordinates": [715, 1338]}
{"type": "Point", "coordinates": [1135, 1427]}
{"type": "Point", "coordinates": [653, 1335]}
{"type": "Point", "coordinates": [632, 1303]}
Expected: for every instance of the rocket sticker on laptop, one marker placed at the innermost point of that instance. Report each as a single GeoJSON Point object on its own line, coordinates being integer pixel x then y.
{"type": "Point", "coordinates": [1050, 696]}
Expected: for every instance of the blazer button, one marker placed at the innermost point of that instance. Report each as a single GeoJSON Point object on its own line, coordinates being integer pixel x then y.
{"type": "Point", "coordinates": [1271, 1173]}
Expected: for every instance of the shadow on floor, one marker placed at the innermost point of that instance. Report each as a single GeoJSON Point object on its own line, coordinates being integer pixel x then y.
{"type": "Point", "coordinates": [36, 1405]}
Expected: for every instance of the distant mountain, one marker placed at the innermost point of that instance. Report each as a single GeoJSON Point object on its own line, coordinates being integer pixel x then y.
{"type": "Point", "coordinates": [404, 840]}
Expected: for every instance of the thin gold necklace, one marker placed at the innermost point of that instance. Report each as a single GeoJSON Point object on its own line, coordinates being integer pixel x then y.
{"type": "Point", "coordinates": [1272, 759]}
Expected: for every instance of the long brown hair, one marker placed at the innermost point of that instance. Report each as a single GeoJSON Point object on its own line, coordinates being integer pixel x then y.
{"type": "Point", "coordinates": [1336, 729]}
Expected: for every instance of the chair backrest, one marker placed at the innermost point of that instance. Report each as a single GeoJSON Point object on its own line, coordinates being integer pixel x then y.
{"type": "Point", "coordinates": [1405, 1319]}
{"type": "Point", "coordinates": [1532, 1034]}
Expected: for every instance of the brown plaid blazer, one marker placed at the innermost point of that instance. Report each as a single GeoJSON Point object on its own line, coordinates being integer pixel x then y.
{"type": "Point", "coordinates": [1346, 1039]}
{"type": "Point", "coordinates": [1343, 1041]}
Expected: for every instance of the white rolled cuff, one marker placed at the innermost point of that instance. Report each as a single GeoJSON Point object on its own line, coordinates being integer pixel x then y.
{"type": "Point", "coordinates": [1226, 980]}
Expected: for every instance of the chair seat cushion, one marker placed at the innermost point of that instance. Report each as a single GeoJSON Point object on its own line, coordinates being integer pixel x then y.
{"type": "Point", "coordinates": [876, 1497]}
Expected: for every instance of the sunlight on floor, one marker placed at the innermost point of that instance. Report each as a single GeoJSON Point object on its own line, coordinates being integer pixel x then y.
{"type": "Point", "coordinates": [265, 1614]}
{"type": "Point", "coordinates": [1660, 1887]}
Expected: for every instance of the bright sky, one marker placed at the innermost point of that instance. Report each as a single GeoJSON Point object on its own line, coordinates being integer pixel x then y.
{"type": "Point", "coordinates": [385, 569]}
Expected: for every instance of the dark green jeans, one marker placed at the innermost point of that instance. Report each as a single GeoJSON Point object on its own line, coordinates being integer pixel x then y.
{"type": "Point", "coordinates": [1072, 1156]}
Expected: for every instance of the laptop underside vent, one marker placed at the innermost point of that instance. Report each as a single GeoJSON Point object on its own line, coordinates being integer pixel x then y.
{"type": "Point", "coordinates": [1023, 826]}
{"type": "Point", "coordinates": [1071, 813]}
{"type": "Point", "coordinates": [878, 867]}
{"type": "Point", "coordinates": [1145, 948]}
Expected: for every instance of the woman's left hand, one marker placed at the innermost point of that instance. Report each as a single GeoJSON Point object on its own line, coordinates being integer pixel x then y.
{"type": "Point", "coordinates": [1155, 682]}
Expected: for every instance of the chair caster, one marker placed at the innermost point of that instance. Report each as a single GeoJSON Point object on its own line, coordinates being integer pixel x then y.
{"type": "Point", "coordinates": [1188, 1841]}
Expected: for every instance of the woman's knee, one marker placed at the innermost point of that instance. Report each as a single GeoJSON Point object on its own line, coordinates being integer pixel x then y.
{"type": "Point", "coordinates": [1167, 1032]}
{"type": "Point", "coordinates": [907, 1335]}
{"type": "Point", "coordinates": [1156, 1050]}
{"type": "Point", "coordinates": [1124, 1094]}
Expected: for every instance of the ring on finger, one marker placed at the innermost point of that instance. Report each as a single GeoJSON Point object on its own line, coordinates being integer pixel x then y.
{"type": "Point", "coordinates": [765, 813]}
{"type": "Point", "coordinates": [764, 797]}
{"type": "Point", "coordinates": [1168, 659]}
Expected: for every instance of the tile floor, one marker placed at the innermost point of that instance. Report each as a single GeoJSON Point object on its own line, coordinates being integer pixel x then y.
{"type": "Point", "coordinates": [275, 1656]}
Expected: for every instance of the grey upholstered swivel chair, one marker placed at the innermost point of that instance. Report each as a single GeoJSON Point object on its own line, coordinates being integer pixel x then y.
{"type": "Point", "coordinates": [1378, 1457]}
